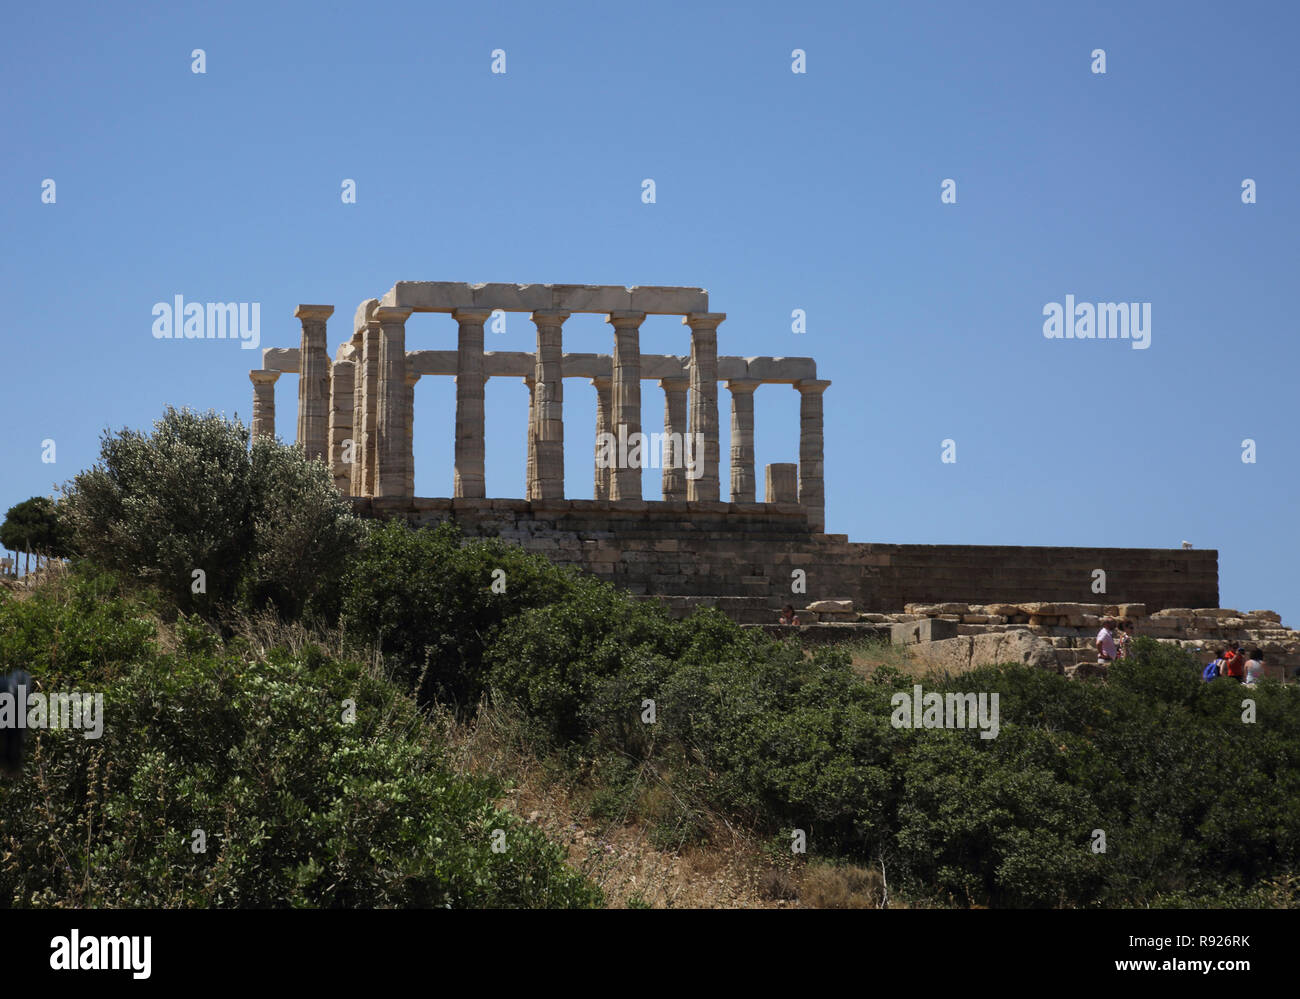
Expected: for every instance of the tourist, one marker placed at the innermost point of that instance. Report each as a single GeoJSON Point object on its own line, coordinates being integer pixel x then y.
{"type": "Point", "coordinates": [1234, 663]}
{"type": "Point", "coordinates": [1106, 641]}
{"type": "Point", "coordinates": [788, 616]}
{"type": "Point", "coordinates": [1254, 667]}
{"type": "Point", "coordinates": [1123, 640]}
{"type": "Point", "coordinates": [1214, 668]}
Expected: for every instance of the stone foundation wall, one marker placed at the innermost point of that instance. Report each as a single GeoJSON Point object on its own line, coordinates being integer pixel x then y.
{"type": "Point", "coordinates": [744, 557]}
{"type": "Point", "coordinates": [978, 574]}
{"type": "Point", "coordinates": [1063, 634]}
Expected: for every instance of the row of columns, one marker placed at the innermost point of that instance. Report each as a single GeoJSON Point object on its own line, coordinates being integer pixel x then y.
{"type": "Point", "coordinates": [369, 399]}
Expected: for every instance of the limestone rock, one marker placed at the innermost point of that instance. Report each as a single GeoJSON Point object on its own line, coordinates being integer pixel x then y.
{"type": "Point", "coordinates": [831, 605]}
{"type": "Point", "coordinates": [966, 652]}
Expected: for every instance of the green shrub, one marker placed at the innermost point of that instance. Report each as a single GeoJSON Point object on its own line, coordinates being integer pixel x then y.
{"type": "Point", "coordinates": [298, 806]}
{"type": "Point", "coordinates": [74, 627]}
{"type": "Point", "coordinates": [303, 534]}
{"type": "Point", "coordinates": [425, 597]}
{"type": "Point", "coordinates": [585, 665]}
{"type": "Point", "coordinates": [189, 497]}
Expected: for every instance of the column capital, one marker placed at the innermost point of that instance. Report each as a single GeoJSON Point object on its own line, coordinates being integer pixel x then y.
{"type": "Point", "coordinates": [389, 315]}
{"type": "Point", "coordinates": [602, 381]}
{"type": "Point", "coordinates": [675, 384]}
{"type": "Point", "coordinates": [412, 376]}
{"type": "Point", "coordinates": [550, 317]}
{"type": "Point", "coordinates": [471, 315]}
{"type": "Point", "coordinates": [320, 312]}
{"type": "Point", "coordinates": [811, 385]}
{"type": "Point", "coordinates": [738, 386]}
{"type": "Point", "coordinates": [263, 377]}
{"type": "Point", "coordinates": [625, 320]}
{"type": "Point", "coordinates": [703, 320]}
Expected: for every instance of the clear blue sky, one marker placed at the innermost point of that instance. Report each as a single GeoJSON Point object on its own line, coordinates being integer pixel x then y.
{"type": "Point", "coordinates": [775, 191]}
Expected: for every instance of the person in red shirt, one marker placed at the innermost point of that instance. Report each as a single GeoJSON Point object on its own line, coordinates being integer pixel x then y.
{"type": "Point", "coordinates": [1234, 664]}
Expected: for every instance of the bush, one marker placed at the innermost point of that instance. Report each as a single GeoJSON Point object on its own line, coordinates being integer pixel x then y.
{"type": "Point", "coordinates": [298, 807]}
{"type": "Point", "coordinates": [190, 497]}
{"type": "Point", "coordinates": [425, 597]}
{"type": "Point", "coordinates": [303, 534]}
{"type": "Point", "coordinates": [75, 627]}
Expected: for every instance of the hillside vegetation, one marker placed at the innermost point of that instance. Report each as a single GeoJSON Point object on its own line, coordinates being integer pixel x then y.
{"type": "Point", "coordinates": [226, 711]}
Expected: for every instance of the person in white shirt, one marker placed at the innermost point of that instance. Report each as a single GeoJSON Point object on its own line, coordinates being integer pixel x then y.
{"type": "Point", "coordinates": [1106, 641]}
{"type": "Point", "coordinates": [1254, 667]}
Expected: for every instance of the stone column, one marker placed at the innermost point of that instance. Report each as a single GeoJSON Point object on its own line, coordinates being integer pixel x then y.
{"type": "Point", "coordinates": [675, 430]}
{"type": "Point", "coordinates": [263, 402]}
{"type": "Point", "coordinates": [743, 481]}
{"type": "Point", "coordinates": [603, 475]}
{"type": "Point", "coordinates": [408, 402]}
{"type": "Point", "coordinates": [369, 441]}
{"type": "Point", "coordinates": [390, 427]}
{"type": "Point", "coordinates": [530, 468]}
{"type": "Point", "coordinates": [313, 382]}
{"type": "Point", "coordinates": [811, 449]}
{"type": "Point", "coordinates": [471, 439]}
{"type": "Point", "coordinates": [782, 483]}
{"type": "Point", "coordinates": [342, 408]}
{"type": "Point", "coordinates": [625, 400]}
{"type": "Point", "coordinates": [704, 400]}
{"type": "Point", "coordinates": [548, 428]}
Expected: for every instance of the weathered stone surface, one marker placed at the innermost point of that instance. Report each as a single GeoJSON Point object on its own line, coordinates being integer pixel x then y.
{"type": "Point", "coordinates": [830, 605]}
{"type": "Point", "coordinates": [957, 655]}
{"type": "Point", "coordinates": [924, 630]}
{"type": "Point", "coordinates": [780, 370]}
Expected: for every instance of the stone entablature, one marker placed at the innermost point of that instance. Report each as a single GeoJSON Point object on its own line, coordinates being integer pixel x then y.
{"type": "Point", "coordinates": [357, 412]}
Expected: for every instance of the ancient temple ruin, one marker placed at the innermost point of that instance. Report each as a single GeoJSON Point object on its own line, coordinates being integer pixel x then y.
{"type": "Point", "coordinates": [689, 547]}
{"type": "Point", "coordinates": [356, 411]}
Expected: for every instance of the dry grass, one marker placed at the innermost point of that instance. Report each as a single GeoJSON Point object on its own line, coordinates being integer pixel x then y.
{"type": "Point", "coordinates": [827, 886]}
{"type": "Point", "coordinates": [635, 855]}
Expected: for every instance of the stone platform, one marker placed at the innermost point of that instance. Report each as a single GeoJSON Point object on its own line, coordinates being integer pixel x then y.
{"type": "Point", "coordinates": [753, 557]}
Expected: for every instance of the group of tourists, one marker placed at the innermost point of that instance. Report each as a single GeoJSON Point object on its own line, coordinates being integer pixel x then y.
{"type": "Point", "coordinates": [1114, 640]}
{"type": "Point", "coordinates": [1232, 661]}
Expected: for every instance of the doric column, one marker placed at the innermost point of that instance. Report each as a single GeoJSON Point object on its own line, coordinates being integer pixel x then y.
{"type": "Point", "coordinates": [358, 407]}
{"type": "Point", "coordinates": [408, 402]}
{"type": "Point", "coordinates": [471, 439]}
{"type": "Point", "coordinates": [603, 476]}
{"type": "Point", "coordinates": [390, 427]}
{"type": "Point", "coordinates": [313, 382]}
{"type": "Point", "coordinates": [625, 401]}
{"type": "Point", "coordinates": [782, 483]}
{"type": "Point", "coordinates": [676, 431]}
{"type": "Point", "coordinates": [369, 440]}
{"type": "Point", "coordinates": [743, 481]}
{"type": "Point", "coordinates": [812, 492]}
{"type": "Point", "coordinates": [548, 427]}
{"type": "Point", "coordinates": [530, 467]}
{"type": "Point", "coordinates": [263, 402]}
{"type": "Point", "coordinates": [342, 392]}
{"type": "Point", "coordinates": [704, 400]}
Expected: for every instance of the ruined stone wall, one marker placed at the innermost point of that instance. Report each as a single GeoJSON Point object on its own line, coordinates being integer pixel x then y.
{"type": "Point", "coordinates": [747, 553]}
{"type": "Point", "coordinates": [980, 574]}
